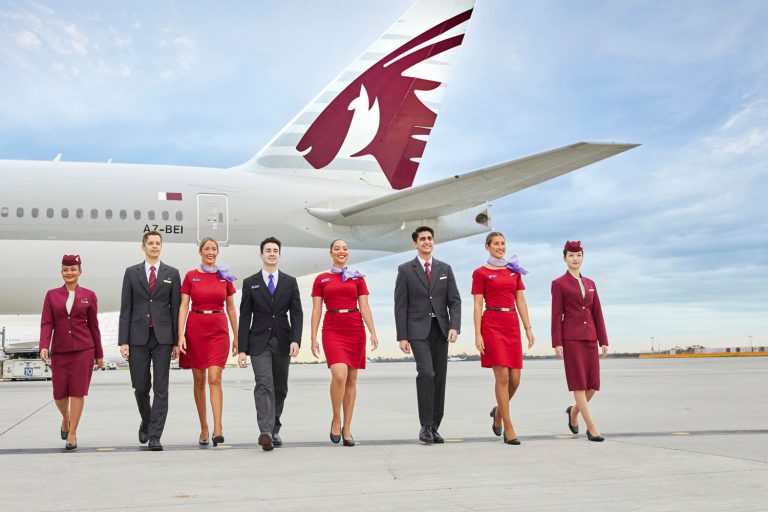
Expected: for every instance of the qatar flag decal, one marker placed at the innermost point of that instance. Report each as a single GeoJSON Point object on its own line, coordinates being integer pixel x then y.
{"type": "Point", "coordinates": [169, 196]}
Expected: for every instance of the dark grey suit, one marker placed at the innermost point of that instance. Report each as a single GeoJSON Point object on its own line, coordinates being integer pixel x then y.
{"type": "Point", "coordinates": [150, 345]}
{"type": "Point", "coordinates": [424, 313]}
{"type": "Point", "coordinates": [265, 333]}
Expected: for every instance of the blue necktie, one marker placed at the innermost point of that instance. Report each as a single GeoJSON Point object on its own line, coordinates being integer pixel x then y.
{"type": "Point", "coordinates": [271, 285]}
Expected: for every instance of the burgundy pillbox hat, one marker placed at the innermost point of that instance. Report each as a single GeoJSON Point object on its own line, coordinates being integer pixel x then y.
{"type": "Point", "coordinates": [70, 260]}
{"type": "Point", "coordinates": [574, 246]}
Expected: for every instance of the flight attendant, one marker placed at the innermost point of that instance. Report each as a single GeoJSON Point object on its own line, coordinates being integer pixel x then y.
{"type": "Point", "coordinates": [205, 343]}
{"type": "Point", "coordinates": [71, 341]}
{"type": "Point", "coordinates": [578, 330]}
{"type": "Point", "coordinates": [497, 289]}
{"type": "Point", "coordinates": [345, 295]}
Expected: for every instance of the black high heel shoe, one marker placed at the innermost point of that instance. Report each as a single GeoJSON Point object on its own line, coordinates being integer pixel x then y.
{"type": "Point", "coordinates": [514, 441]}
{"type": "Point", "coordinates": [217, 440]}
{"type": "Point", "coordinates": [496, 430]}
{"type": "Point", "coordinates": [335, 438]}
{"type": "Point", "coordinates": [573, 429]}
{"type": "Point", "coordinates": [597, 439]}
{"type": "Point", "coordinates": [71, 446]}
{"type": "Point", "coordinates": [64, 435]}
{"type": "Point", "coordinates": [204, 442]}
{"type": "Point", "coordinates": [347, 442]}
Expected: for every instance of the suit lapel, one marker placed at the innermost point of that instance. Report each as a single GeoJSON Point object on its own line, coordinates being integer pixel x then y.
{"type": "Point", "coordinates": [263, 286]}
{"type": "Point", "coordinates": [422, 276]}
{"type": "Point", "coordinates": [435, 274]}
{"type": "Point", "coordinates": [141, 275]}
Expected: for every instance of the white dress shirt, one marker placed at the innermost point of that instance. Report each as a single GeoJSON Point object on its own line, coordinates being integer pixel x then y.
{"type": "Point", "coordinates": [266, 275]}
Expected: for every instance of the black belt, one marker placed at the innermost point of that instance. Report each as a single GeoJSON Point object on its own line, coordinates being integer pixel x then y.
{"type": "Point", "coordinates": [207, 311]}
{"type": "Point", "coordinates": [505, 310]}
{"type": "Point", "coordinates": [343, 310]}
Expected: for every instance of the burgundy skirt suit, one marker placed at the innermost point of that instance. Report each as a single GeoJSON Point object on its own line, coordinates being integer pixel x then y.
{"type": "Point", "coordinates": [72, 338]}
{"type": "Point", "coordinates": [500, 329]}
{"type": "Point", "coordinates": [207, 334]}
{"type": "Point", "coordinates": [343, 333]}
{"type": "Point", "coordinates": [578, 326]}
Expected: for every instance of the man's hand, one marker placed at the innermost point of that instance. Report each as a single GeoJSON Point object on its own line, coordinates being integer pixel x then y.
{"type": "Point", "coordinates": [453, 334]}
{"type": "Point", "coordinates": [405, 346]}
{"type": "Point", "coordinates": [242, 359]}
{"type": "Point", "coordinates": [175, 353]}
{"type": "Point", "coordinates": [125, 351]}
{"type": "Point", "coordinates": [294, 349]}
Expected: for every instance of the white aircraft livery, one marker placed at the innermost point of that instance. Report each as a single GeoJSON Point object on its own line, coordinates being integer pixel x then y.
{"type": "Point", "coordinates": [347, 160]}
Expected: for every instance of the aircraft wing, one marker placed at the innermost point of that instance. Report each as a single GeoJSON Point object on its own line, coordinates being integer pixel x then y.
{"type": "Point", "coordinates": [467, 190]}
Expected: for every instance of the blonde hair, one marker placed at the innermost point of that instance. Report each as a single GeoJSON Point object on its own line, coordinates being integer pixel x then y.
{"type": "Point", "coordinates": [205, 241]}
{"type": "Point", "coordinates": [492, 235]}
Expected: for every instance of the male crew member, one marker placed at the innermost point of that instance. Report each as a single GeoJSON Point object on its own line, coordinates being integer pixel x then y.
{"type": "Point", "coordinates": [269, 338]}
{"type": "Point", "coordinates": [149, 312]}
{"type": "Point", "coordinates": [427, 317]}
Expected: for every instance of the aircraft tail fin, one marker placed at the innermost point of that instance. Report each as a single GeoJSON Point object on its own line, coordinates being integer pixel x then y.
{"type": "Point", "coordinates": [376, 116]}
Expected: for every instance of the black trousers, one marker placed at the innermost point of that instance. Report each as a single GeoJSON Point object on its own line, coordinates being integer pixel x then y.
{"type": "Point", "coordinates": [159, 356]}
{"type": "Point", "coordinates": [270, 371]}
{"type": "Point", "coordinates": [431, 368]}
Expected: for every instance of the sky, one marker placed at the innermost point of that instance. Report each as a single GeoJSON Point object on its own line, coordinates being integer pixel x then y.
{"type": "Point", "coordinates": [674, 231]}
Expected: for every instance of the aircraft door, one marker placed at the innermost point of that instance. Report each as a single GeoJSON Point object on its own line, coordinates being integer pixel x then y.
{"type": "Point", "coordinates": [213, 217]}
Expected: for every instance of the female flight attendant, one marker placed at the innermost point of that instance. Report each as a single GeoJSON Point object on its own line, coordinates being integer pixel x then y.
{"type": "Point", "coordinates": [577, 330]}
{"type": "Point", "coordinates": [71, 341]}
{"type": "Point", "coordinates": [497, 289]}
{"type": "Point", "coordinates": [205, 344]}
{"type": "Point", "coordinates": [345, 295]}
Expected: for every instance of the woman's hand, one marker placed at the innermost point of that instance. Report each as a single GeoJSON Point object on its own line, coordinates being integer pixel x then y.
{"type": "Point", "coordinates": [530, 336]}
{"type": "Point", "coordinates": [100, 363]}
{"type": "Point", "coordinates": [604, 350]}
{"type": "Point", "coordinates": [480, 344]}
{"type": "Point", "coordinates": [374, 341]}
{"type": "Point", "coordinates": [44, 356]}
{"type": "Point", "coordinates": [234, 347]}
{"type": "Point", "coordinates": [559, 351]}
{"type": "Point", "coordinates": [315, 349]}
{"type": "Point", "coordinates": [183, 344]}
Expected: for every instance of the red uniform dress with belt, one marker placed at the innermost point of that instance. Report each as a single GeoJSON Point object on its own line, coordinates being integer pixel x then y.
{"type": "Point", "coordinates": [72, 338]}
{"type": "Point", "coordinates": [207, 335]}
{"type": "Point", "coordinates": [343, 333]}
{"type": "Point", "coordinates": [578, 326]}
{"type": "Point", "coordinates": [500, 329]}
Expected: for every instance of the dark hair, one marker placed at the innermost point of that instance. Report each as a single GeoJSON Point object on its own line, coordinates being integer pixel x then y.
{"type": "Point", "coordinates": [492, 235]}
{"type": "Point", "coordinates": [149, 234]}
{"type": "Point", "coordinates": [421, 229]}
{"type": "Point", "coordinates": [565, 251]}
{"type": "Point", "coordinates": [270, 240]}
{"type": "Point", "coordinates": [334, 241]}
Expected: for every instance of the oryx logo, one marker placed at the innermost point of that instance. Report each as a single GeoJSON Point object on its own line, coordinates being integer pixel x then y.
{"type": "Point", "coordinates": [383, 92]}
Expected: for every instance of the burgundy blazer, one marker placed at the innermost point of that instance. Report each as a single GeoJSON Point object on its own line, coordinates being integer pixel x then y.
{"type": "Point", "coordinates": [575, 317]}
{"type": "Point", "coordinates": [78, 330]}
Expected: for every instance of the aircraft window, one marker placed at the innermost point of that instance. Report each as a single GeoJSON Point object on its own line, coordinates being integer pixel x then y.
{"type": "Point", "coordinates": [123, 214]}
{"type": "Point", "coordinates": [19, 212]}
{"type": "Point", "coordinates": [136, 214]}
{"type": "Point", "coordinates": [94, 213]}
{"type": "Point", "coordinates": [4, 211]}
{"type": "Point", "coordinates": [108, 214]}
{"type": "Point", "coordinates": [35, 212]}
{"type": "Point", "coordinates": [151, 214]}
{"type": "Point", "coordinates": [166, 215]}
{"type": "Point", "coordinates": [65, 213]}
{"type": "Point", "coordinates": [179, 216]}
{"type": "Point", "coordinates": [49, 213]}
{"type": "Point", "coordinates": [79, 213]}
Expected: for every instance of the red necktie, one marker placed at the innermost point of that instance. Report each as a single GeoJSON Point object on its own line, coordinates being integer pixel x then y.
{"type": "Point", "coordinates": [152, 281]}
{"type": "Point", "coordinates": [426, 269]}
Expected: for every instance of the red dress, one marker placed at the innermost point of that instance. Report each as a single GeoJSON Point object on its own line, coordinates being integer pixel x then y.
{"type": "Point", "coordinates": [207, 335]}
{"type": "Point", "coordinates": [500, 329]}
{"type": "Point", "coordinates": [343, 333]}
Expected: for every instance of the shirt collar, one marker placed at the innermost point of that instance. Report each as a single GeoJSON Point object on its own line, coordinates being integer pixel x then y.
{"type": "Point", "coordinates": [147, 265]}
{"type": "Point", "coordinates": [422, 261]}
{"type": "Point", "coordinates": [265, 275]}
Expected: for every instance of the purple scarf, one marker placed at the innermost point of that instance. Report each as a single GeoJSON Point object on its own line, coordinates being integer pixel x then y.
{"type": "Point", "coordinates": [512, 264]}
{"type": "Point", "coordinates": [346, 273]}
{"type": "Point", "coordinates": [219, 269]}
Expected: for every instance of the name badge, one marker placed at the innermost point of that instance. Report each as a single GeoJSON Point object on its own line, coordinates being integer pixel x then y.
{"type": "Point", "coordinates": [255, 286]}
{"type": "Point", "coordinates": [222, 280]}
{"type": "Point", "coordinates": [443, 277]}
{"type": "Point", "coordinates": [83, 301]}
{"type": "Point", "coordinates": [167, 281]}
{"type": "Point", "coordinates": [195, 279]}
{"type": "Point", "coordinates": [591, 289]}
{"type": "Point", "coordinates": [325, 280]}
{"type": "Point", "coordinates": [492, 276]}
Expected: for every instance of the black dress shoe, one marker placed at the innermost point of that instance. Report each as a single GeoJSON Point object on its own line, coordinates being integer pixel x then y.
{"type": "Point", "coordinates": [496, 430]}
{"type": "Point", "coordinates": [143, 433]}
{"type": "Point", "coordinates": [573, 429]}
{"type": "Point", "coordinates": [276, 439]}
{"type": "Point", "coordinates": [436, 437]}
{"type": "Point", "coordinates": [154, 445]}
{"type": "Point", "coordinates": [425, 435]}
{"type": "Point", "coordinates": [347, 442]}
{"type": "Point", "coordinates": [64, 435]}
{"type": "Point", "coordinates": [597, 439]}
{"type": "Point", "coordinates": [514, 441]}
{"type": "Point", "coordinates": [217, 440]}
{"type": "Point", "coordinates": [265, 441]}
{"type": "Point", "coordinates": [335, 438]}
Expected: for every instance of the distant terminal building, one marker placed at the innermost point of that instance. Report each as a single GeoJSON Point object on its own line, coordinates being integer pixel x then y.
{"type": "Point", "coordinates": [699, 351]}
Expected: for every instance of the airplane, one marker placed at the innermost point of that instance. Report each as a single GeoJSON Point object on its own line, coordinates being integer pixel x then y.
{"type": "Point", "coordinates": [453, 359]}
{"type": "Point", "coordinates": [348, 160]}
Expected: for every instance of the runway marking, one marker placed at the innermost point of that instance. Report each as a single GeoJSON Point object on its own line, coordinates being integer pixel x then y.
{"type": "Point", "coordinates": [380, 442]}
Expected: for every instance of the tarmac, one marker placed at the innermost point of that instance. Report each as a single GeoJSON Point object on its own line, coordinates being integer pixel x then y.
{"type": "Point", "coordinates": [680, 435]}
